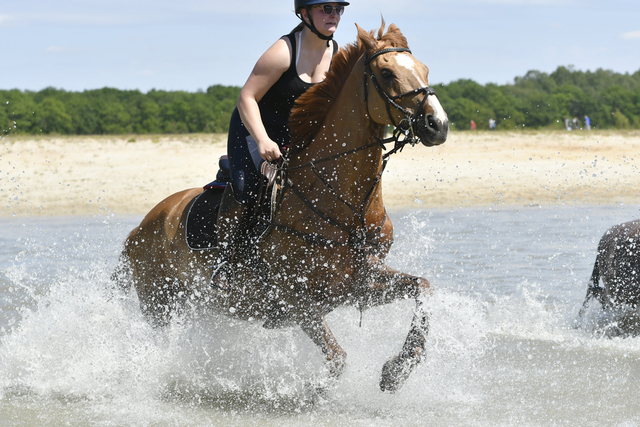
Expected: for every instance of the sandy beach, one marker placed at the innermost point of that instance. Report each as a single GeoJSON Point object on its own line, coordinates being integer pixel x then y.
{"type": "Point", "coordinates": [130, 174]}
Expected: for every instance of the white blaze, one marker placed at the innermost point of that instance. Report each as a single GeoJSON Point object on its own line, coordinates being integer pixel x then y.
{"type": "Point", "coordinates": [438, 111]}
{"type": "Point", "coordinates": [406, 61]}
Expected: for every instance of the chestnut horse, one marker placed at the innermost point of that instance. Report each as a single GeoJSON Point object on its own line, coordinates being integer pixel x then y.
{"type": "Point", "coordinates": [328, 232]}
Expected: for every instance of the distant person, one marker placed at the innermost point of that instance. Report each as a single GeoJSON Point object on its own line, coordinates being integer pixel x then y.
{"type": "Point", "coordinates": [587, 123]}
{"type": "Point", "coordinates": [492, 124]}
{"type": "Point", "coordinates": [576, 123]}
{"type": "Point", "coordinates": [473, 125]}
{"type": "Point", "coordinates": [567, 123]}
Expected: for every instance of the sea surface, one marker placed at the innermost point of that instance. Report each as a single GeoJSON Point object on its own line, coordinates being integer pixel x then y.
{"type": "Point", "coordinates": [506, 346]}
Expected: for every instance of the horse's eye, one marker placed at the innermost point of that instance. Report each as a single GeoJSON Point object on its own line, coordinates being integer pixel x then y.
{"type": "Point", "coordinates": [386, 74]}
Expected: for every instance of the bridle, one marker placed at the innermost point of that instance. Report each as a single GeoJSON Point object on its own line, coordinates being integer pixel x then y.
{"type": "Point", "coordinates": [404, 132]}
{"type": "Point", "coordinates": [361, 238]}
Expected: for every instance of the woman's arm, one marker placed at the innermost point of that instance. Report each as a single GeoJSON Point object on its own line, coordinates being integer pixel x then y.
{"type": "Point", "coordinates": [271, 65]}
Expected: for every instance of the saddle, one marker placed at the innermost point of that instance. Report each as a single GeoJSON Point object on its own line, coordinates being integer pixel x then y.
{"type": "Point", "coordinates": [202, 214]}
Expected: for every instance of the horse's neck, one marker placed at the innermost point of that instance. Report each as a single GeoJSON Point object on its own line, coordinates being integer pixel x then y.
{"type": "Point", "coordinates": [346, 129]}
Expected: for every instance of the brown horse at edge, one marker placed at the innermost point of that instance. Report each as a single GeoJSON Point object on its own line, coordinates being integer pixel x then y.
{"type": "Point", "coordinates": [334, 170]}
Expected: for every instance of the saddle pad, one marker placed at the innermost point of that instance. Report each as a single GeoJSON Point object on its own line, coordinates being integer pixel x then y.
{"type": "Point", "coordinates": [201, 219]}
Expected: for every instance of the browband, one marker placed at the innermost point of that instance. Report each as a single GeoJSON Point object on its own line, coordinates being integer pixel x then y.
{"type": "Point", "coordinates": [387, 50]}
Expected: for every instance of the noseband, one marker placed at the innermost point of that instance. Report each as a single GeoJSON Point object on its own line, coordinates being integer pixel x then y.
{"type": "Point", "coordinates": [406, 126]}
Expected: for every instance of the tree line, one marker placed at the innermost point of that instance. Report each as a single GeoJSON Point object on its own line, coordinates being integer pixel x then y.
{"type": "Point", "coordinates": [113, 112]}
{"type": "Point", "coordinates": [537, 100]}
{"type": "Point", "coordinates": [543, 101]}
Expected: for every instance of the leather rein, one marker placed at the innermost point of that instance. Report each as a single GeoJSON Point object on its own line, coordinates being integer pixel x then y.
{"type": "Point", "coordinates": [360, 238]}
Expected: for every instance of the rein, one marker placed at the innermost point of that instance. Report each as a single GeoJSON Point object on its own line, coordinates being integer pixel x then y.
{"type": "Point", "coordinates": [403, 134]}
{"type": "Point", "coordinates": [359, 237]}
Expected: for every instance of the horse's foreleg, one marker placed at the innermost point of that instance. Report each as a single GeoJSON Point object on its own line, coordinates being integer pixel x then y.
{"type": "Point", "coordinates": [396, 370]}
{"type": "Point", "coordinates": [593, 289]}
{"type": "Point", "coordinates": [317, 329]}
{"type": "Point", "coordinates": [389, 285]}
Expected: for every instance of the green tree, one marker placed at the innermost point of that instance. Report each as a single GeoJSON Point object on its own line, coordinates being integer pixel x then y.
{"type": "Point", "coordinates": [620, 120]}
{"type": "Point", "coordinates": [20, 110]}
{"type": "Point", "coordinates": [149, 119]}
{"type": "Point", "coordinates": [51, 116]}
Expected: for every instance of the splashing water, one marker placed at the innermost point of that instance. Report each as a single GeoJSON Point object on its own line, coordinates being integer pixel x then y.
{"type": "Point", "coordinates": [504, 345]}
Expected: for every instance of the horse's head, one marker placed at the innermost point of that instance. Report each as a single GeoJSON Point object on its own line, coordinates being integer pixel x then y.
{"type": "Point", "coordinates": [397, 88]}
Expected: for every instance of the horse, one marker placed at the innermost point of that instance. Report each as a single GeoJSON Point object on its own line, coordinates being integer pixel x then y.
{"type": "Point", "coordinates": [327, 232]}
{"type": "Point", "coordinates": [618, 265]}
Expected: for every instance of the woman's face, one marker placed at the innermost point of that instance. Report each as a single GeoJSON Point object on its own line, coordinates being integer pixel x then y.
{"type": "Point", "coordinates": [327, 24]}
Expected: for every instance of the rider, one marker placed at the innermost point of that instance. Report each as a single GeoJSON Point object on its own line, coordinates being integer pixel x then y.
{"type": "Point", "coordinates": [259, 130]}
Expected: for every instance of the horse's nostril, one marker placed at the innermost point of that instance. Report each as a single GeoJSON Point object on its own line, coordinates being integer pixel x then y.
{"type": "Point", "coordinates": [433, 123]}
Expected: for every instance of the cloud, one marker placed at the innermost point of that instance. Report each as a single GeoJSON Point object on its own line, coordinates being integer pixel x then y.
{"type": "Point", "coordinates": [86, 19]}
{"type": "Point", "coordinates": [54, 49]}
{"type": "Point", "coordinates": [59, 49]}
{"type": "Point", "coordinates": [244, 7]}
{"type": "Point", "coordinates": [631, 35]}
{"type": "Point", "coordinates": [6, 20]}
{"type": "Point", "coordinates": [527, 2]}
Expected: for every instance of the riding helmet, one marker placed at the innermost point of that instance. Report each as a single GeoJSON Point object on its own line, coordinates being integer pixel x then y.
{"type": "Point", "coordinates": [305, 3]}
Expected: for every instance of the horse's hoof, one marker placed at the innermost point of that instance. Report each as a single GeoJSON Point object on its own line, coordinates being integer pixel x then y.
{"type": "Point", "coordinates": [389, 378]}
{"type": "Point", "coordinates": [395, 372]}
{"type": "Point", "coordinates": [337, 364]}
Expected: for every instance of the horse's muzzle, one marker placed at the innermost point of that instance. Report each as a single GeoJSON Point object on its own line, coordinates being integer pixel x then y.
{"type": "Point", "coordinates": [431, 130]}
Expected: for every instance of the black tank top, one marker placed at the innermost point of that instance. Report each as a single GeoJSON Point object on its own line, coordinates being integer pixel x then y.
{"type": "Point", "coordinates": [275, 106]}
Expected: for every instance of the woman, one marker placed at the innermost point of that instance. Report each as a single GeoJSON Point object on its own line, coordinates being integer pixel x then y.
{"type": "Point", "coordinates": [259, 125]}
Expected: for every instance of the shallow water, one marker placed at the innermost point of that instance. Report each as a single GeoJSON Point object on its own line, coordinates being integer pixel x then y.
{"type": "Point", "coordinates": [504, 348]}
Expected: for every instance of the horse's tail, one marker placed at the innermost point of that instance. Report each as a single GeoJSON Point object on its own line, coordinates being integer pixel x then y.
{"type": "Point", "coordinates": [593, 287]}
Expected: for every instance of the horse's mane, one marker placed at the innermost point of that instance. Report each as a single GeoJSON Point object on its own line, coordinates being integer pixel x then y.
{"type": "Point", "coordinates": [310, 110]}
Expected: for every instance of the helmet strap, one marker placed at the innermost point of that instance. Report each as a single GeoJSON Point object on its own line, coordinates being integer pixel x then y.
{"type": "Point", "coordinates": [311, 26]}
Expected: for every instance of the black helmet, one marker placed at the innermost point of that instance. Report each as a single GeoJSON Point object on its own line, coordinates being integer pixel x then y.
{"type": "Point", "coordinates": [305, 3]}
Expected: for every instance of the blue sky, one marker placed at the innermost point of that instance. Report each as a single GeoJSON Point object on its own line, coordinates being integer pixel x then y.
{"type": "Point", "coordinates": [192, 44]}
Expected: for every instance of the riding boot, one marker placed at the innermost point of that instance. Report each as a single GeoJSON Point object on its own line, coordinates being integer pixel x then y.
{"type": "Point", "coordinates": [233, 218]}
{"type": "Point", "coordinates": [231, 226]}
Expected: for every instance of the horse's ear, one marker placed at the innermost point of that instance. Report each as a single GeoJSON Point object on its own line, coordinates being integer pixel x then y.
{"type": "Point", "coordinates": [395, 36]}
{"type": "Point", "coordinates": [366, 41]}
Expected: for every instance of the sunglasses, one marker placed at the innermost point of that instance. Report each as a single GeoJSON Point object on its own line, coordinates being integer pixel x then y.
{"type": "Point", "coordinates": [328, 9]}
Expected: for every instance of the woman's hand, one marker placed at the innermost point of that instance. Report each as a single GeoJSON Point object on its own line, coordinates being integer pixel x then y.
{"type": "Point", "coordinates": [269, 150]}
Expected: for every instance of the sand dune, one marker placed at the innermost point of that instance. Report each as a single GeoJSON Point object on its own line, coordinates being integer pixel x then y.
{"type": "Point", "coordinates": [129, 175]}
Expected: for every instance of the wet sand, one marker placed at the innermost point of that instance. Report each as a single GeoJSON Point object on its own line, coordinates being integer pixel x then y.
{"type": "Point", "coordinates": [130, 174]}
